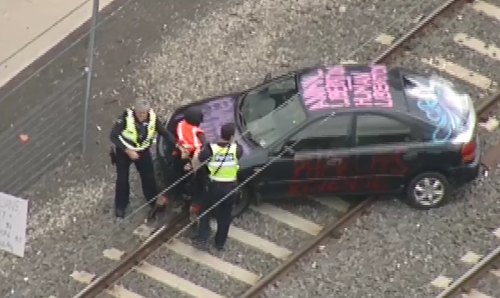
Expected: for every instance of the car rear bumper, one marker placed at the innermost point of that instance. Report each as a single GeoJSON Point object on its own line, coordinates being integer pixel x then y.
{"type": "Point", "coordinates": [466, 173]}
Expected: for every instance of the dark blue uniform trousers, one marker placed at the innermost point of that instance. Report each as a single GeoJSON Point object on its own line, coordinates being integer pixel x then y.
{"type": "Point", "coordinates": [222, 213]}
{"type": "Point", "coordinates": [145, 167]}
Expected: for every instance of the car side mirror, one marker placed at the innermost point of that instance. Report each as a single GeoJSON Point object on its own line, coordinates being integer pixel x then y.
{"type": "Point", "coordinates": [267, 77]}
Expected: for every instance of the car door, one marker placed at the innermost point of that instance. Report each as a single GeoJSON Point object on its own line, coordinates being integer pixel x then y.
{"type": "Point", "coordinates": [310, 162]}
{"type": "Point", "coordinates": [386, 151]}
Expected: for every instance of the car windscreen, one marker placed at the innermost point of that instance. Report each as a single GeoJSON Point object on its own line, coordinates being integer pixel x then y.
{"type": "Point", "coordinates": [272, 111]}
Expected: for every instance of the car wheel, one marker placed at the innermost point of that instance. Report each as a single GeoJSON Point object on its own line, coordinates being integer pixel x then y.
{"type": "Point", "coordinates": [242, 202]}
{"type": "Point", "coordinates": [428, 190]}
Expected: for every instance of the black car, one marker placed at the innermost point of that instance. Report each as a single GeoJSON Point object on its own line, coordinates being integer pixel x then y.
{"type": "Point", "coordinates": [348, 130]}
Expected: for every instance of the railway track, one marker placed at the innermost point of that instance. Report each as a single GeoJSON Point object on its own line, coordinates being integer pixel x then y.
{"type": "Point", "coordinates": [310, 235]}
{"type": "Point", "coordinates": [162, 238]}
{"type": "Point", "coordinates": [466, 284]}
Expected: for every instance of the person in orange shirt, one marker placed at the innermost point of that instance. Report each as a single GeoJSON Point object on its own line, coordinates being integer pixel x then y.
{"type": "Point", "coordinates": [190, 140]}
{"type": "Point", "coordinates": [190, 137]}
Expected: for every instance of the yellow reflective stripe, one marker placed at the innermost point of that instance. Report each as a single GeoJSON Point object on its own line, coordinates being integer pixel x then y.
{"type": "Point", "coordinates": [219, 179]}
{"type": "Point", "coordinates": [227, 170]}
{"type": "Point", "coordinates": [126, 144]}
{"type": "Point", "coordinates": [216, 149]}
{"type": "Point", "coordinates": [130, 133]}
{"type": "Point", "coordinates": [151, 125]}
{"type": "Point", "coordinates": [151, 131]}
{"type": "Point", "coordinates": [217, 164]}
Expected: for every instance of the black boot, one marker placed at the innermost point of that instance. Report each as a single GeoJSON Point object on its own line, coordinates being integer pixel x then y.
{"type": "Point", "coordinates": [155, 210]}
{"type": "Point", "coordinates": [119, 213]}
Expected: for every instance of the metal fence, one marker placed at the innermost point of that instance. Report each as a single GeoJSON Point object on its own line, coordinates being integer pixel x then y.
{"type": "Point", "coordinates": [53, 113]}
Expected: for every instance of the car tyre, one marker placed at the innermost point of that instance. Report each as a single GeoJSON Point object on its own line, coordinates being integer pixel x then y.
{"type": "Point", "coordinates": [427, 191]}
{"type": "Point", "coordinates": [242, 202]}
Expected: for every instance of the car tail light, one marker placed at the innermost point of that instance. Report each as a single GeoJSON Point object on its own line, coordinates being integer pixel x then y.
{"type": "Point", "coordinates": [469, 151]}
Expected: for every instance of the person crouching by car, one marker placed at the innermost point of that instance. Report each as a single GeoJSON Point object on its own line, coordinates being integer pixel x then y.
{"type": "Point", "coordinates": [190, 140]}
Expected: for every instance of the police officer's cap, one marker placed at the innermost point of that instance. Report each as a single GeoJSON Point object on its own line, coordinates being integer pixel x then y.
{"type": "Point", "coordinates": [142, 105]}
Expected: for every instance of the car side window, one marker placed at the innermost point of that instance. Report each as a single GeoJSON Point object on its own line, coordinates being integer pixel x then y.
{"type": "Point", "coordinates": [381, 130]}
{"type": "Point", "coordinates": [326, 134]}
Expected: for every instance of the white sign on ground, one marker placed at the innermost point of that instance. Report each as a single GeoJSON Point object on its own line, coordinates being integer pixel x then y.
{"type": "Point", "coordinates": [13, 221]}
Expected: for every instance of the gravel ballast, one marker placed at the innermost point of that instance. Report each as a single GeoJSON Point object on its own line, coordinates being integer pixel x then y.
{"type": "Point", "coordinates": [396, 251]}
{"type": "Point", "coordinates": [205, 49]}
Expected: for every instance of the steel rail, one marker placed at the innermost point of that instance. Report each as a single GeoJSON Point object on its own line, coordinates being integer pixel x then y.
{"type": "Point", "coordinates": [258, 288]}
{"type": "Point", "coordinates": [416, 29]}
{"type": "Point", "coordinates": [329, 230]}
{"type": "Point", "coordinates": [166, 232]}
{"type": "Point", "coordinates": [464, 283]}
{"type": "Point", "coordinates": [492, 157]}
{"type": "Point", "coordinates": [486, 106]}
{"type": "Point", "coordinates": [153, 242]}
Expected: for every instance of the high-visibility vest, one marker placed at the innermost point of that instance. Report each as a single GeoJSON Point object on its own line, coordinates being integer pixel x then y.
{"type": "Point", "coordinates": [187, 137]}
{"type": "Point", "coordinates": [223, 166]}
{"type": "Point", "coordinates": [130, 136]}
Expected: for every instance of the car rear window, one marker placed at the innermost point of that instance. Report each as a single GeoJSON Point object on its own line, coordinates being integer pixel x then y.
{"type": "Point", "coordinates": [440, 103]}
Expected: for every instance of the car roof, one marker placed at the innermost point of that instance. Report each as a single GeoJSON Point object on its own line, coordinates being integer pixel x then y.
{"type": "Point", "coordinates": [326, 89]}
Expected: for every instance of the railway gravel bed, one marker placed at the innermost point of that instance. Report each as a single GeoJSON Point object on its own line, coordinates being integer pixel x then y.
{"type": "Point", "coordinates": [148, 287]}
{"type": "Point", "coordinates": [276, 232]}
{"type": "Point", "coordinates": [489, 285]}
{"type": "Point", "coordinates": [243, 256]}
{"type": "Point", "coordinates": [396, 251]}
{"type": "Point", "coordinates": [261, 36]}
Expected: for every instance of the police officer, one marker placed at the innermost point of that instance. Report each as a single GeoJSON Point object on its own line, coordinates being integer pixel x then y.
{"type": "Point", "coordinates": [132, 135]}
{"type": "Point", "coordinates": [223, 169]}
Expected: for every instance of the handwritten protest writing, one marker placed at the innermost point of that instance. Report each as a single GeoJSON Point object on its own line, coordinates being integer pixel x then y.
{"type": "Point", "coordinates": [350, 174]}
{"type": "Point", "coordinates": [216, 113]}
{"type": "Point", "coordinates": [13, 217]}
{"type": "Point", "coordinates": [338, 87]}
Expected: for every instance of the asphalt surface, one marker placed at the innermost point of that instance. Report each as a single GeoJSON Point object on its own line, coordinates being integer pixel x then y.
{"type": "Point", "coordinates": [70, 206]}
{"type": "Point", "coordinates": [46, 100]}
{"type": "Point", "coordinates": [209, 48]}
